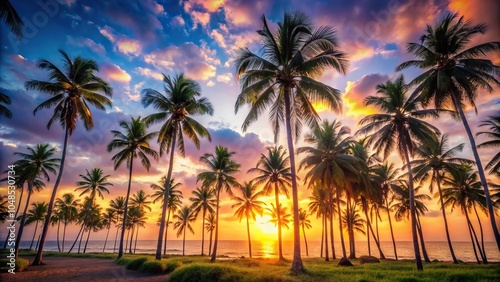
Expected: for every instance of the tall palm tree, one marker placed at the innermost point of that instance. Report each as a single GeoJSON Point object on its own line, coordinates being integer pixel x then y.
{"type": "Point", "coordinates": [67, 207]}
{"type": "Point", "coordinates": [203, 200]}
{"type": "Point", "coordinates": [140, 200]}
{"type": "Point", "coordinates": [304, 223]}
{"type": "Point", "coordinates": [284, 79]}
{"type": "Point", "coordinates": [181, 100]}
{"type": "Point", "coordinates": [117, 205]}
{"type": "Point", "coordinates": [493, 125]}
{"type": "Point", "coordinates": [4, 111]}
{"type": "Point", "coordinates": [93, 183]}
{"type": "Point", "coordinates": [137, 219]}
{"type": "Point", "coordinates": [184, 218]}
{"type": "Point", "coordinates": [72, 90]}
{"type": "Point", "coordinates": [435, 159]}
{"type": "Point", "coordinates": [398, 127]}
{"type": "Point", "coordinates": [35, 215]}
{"type": "Point", "coordinates": [9, 15]}
{"type": "Point", "coordinates": [108, 218]}
{"type": "Point", "coordinates": [221, 168]}
{"type": "Point", "coordinates": [353, 221]}
{"type": "Point", "coordinates": [275, 176]}
{"type": "Point", "coordinates": [133, 143]}
{"type": "Point", "coordinates": [4, 210]}
{"type": "Point", "coordinates": [454, 71]}
{"type": "Point", "coordinates": [319, 204]}
{"type": "Point", "coordinates": [248, 205]}
{"type": "Point", "coordinates": [210, 227]}
{"type": "Point", "coordinates": [93, 222]}
{"type": "Point", "coordinates": [37, 162]}
{"type": "Point", "coordinates": [285, 216]}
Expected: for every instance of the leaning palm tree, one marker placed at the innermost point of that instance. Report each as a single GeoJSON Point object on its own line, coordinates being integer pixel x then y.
{"type": "Point", "coordinates": [493, 125]}
{"type": "Point", "coordinates": [38, 162]}
{"type": "Point", "coordinates": [108, 218]}
{"type": "Point", "coordinates": [203, 200]}
{"type": "Point", "coordinates": [72, 90]}
{"type": "Point", "coordinates": [210, 227]}
{"type": "Point", "coordinates": [133, 143]}
{"type": "Point", "coordinates": [284, 80]}
{"type": "Point", "coordinates": [454, 71]}
{"type": "Point", "coordinates": [9, 15]}
{"type": "Point", "coordinates": [36, 215]}
{"type": "Point", "coordinates": [67, 206]}
{"type": "Point", "coordinates": [248, 205]}
{"type": "Point", "coordinates": [304, 223]}
{"type": "Point", "coordinates": [398, 127]}
{"type": "Point", "coordinates": [181, 100]}
{"type": "Point", "coordinates": [117, 205]}
{"type": "Point", "coordinates": [275, 176]}
{"type": "Point", "coordinates": [184, 218]}
{"type": "Point", "coordinates": [221, 168]}
{"type": "Point", "coordinates": [4, 111]}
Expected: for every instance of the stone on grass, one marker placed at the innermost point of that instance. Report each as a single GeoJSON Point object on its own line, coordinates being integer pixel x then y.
{"type": "Point", "coordinates": [345, 262]}
{"type": "Point", "coordinates": [368, 259]}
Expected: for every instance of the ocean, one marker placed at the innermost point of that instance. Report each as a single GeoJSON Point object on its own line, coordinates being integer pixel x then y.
{"type": "Point", "coordinates": [268, 249]}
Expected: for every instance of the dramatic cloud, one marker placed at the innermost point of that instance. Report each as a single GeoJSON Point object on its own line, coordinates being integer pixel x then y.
{"type": "Point", "coordinates": [122, 43]}
{"type": "Point", "coordinates": [357, 91]}
{"type": "Point", "coordinates": [115, 73]}
{"type": "Point", "coordinates": [232, 41]}
{"type": "Point", "coordinates": [177, 21]}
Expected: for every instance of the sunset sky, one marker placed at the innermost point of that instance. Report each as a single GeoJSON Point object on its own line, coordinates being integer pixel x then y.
{"type": "Point", "coordinates": [134, 42]}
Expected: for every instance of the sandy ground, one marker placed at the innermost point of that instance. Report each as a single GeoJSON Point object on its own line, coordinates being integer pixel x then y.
{"type": "Point", "coordinates": [78, 269]}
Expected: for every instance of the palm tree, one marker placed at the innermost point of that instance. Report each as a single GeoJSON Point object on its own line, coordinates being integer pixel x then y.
{"type": "Point", "coordinates": [134, 142]}
{"type": "Point", "coordinates": [493, 125]}
{"type": "Point", "coordinates": [137, 219]}
{"type": "Point", "coordinates": [275, 176]}
{"type": "Point", "coordinates": [174, 201]}
{"type": "Point", "coordinates": [184, 217]}
{"type": "Point", "coordinates": [38, 162]}
{"type": "Point", "coordinates": [285, 216]}
{"type": "Point", "coordinates": [4, 111]}
{"type": "Point", "coordinates": [108, 218]}
{"type": "Point", "coordinates": [319, 204]}
{"type": "Point", "coordinates": [94, 182]}
{"type": "Point", "coordinates": [353, 221]}
{"type": "Point", "coordinates": [453, 73]}
{"type": "Point", "coordinates": [9, 15]}
{"type": "Point", "coordinates": [210, 227]}
{"type": "Point", "coordinates": [179, 102]}
{"type": "Point", "coordinates": [435, 160]}
{"type": "Point", "coordinates": [93, 222]}
{"type": "Point", "coordinates": [248, 205]}
{"type": "Point", "coordinates": [220, 176]}
{"type": "Point", "coordinates": [35, 215]}
{"type": "Point", "coordinates": [398, 128]}
{"type": "Point", "coordinates": [117, 206]}
{"type": "Point", "coordinates": [71, 93]}
{"type": "Point", "coordinates": [67, 207]}
{"type": "Point", "coordinates": [140, 200]}
{"type": "Point", "coordinates": [304, 223]}
{"type": "Point", "coordinates": [4, 210]}
{"type": "Point", "coordinates": [203, 200]}
{"type": "Point", "coordinates": [284, 79]}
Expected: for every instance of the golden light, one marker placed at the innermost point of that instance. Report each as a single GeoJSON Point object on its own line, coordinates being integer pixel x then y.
{"type": "Point", "coordinates": [320, 107]}
{"type": "Point", "coordinates": [265, 227]}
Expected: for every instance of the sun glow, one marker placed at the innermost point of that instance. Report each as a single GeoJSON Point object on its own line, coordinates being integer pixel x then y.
{"type": "Point", "coordinates": [265, 227]}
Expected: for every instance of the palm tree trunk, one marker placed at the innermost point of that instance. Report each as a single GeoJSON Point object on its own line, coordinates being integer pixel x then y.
{"type": "Point", "coordinates": [422, 241]}
{"type": "Point", "coordinates": [390, 226]}
{"type": "Point", "coordinates": [368, 235]}
{"type": "Point", "coordinates": [165, 196]}
{"type": "Point", "coordinates": [106, 241]}
{"type": "Point", "coordinates": [352, 250]}
{"type": "Point", "coordinates": [79, 232]}
{"type": "Point", "coordinates": [203, 233]}
{"type": "Point", "coordinates": [38, 242]}
{"type": "Point", "coordinates": [34, 234]}
{"type": "Point", "coordinates": [80, 244]}
{"type": "Point", "coordinates": [305, 239]}
{"type": "Point", "coordinates": [482, 235]}
{"type": "Point", "coordinates": [332, 241]}
{"type": "Point", "coordinates": [214, 251]}
{"type": "Point", "coordinates": [128, 237]}
{"type": "Point", "coordinates": [278, 213]}
{"type": "Point", "coordinates": [38, 258]}
{"type": "Point", "coordinates": [116, 236]}
{"type": "Point", "coordinates": [416, 250]}
{"type": "Point", "coordinates": [131, 239]}
{"type": "Point", "coordinates": [87, 241]}
{"type": "Point", "coordinates": [64, 234]}
{"type": "Point", "coordinates": [443, 211]}
{"type": "Point", "coordinates": [322, 237]}
{"type": "Point", "coordinates": [166, 232]}
{"type": "Point", "coordinates": [377, 241]}
{"type": "Point", "coordinates": [136, 236]}
{"type": "Point", "coordinates": [15, 215]}
{"type": "Point", "coordinates": [58, 227]}
{"type": "Point", "coordinates": [481, 251]}
{"type": "Point", "coordinates": [249, 240]}
{"type": "Point", "coordinates": [341, 228]}
{"type": "Point", "coordinates": [480, 170]}
{"type": "Point", "coordinates": [325, 220]}
{"type": "Point", "coordinates": [125, 208]}
{"type": "Point", "coordinates": [297, 265]}
{"type": "Point", "coordinates": [376, 224]}
{"type": "Point", "coordinates": [23, 220]}
{"type": "Point", "coordinates": [469, 225]}
{"type": "Point", "coordinates": [210, 244]}
{"type": "Point", "coordinates": [184, 240]}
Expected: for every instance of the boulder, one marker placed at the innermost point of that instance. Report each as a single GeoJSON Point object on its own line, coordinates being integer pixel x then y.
{"type": "Point", "coordinates": [345, 262]}
{"type": "Point", "coordinates": [368, 259]}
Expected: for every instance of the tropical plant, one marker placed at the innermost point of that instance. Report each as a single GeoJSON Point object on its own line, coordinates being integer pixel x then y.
{"type": "Point", "coordinates": [4, 111]}
{"type": "Point", "coordinates": [203, 200]}
{"type": "Point", "coordinates": [67, 208]}
{"type": "Point", "coordinates": [492, 123]}
{"type": "Point", "coordinates": [93, 220]}
{"type": "Point", "coordinates": [117, 205]}
{"type": "Point", "coordinates": [133, 143]}
{"type": "Point", "coordinates": [454, 71]}
{"type": "Point", "coordinates": [137, 219]}
{"type": "Point", "coordinates": [72, 90]}
{"type": "Point", "coordinates": [9, 15]}
{"type": "Point", "coordinates": [140, 200]}
{"type": "Point", "coordinates": [184, 218]}
{"type": "Point", "coordinates": [221, 168]}
{"type": "Point", "coordinates": [108, 218]}
{"type": "Point", "coordinates": [35, 215]}
{"type": "Point", "coordinates": [319, 205]}
{"type": "Point", "coordinates": [285, 216]}
{"type": "Point", "coordinates": [4, 210]}
{"type": "Point", "coordinates": [304, 223]}
{"type": "Point", "coordinates": [210, 227]}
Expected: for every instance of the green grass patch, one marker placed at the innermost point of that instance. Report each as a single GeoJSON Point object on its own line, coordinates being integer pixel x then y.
{"type": "Point", "coordinates": [134, 264]}
{"type": "Point", "coordinates": [207, 273]}
{"type": "Point", "coordinates": [152, 267]}
{"type": "Point", "coordinates": [21, 265]}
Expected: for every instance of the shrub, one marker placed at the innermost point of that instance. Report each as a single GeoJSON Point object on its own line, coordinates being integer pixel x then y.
{"type": "Point", "coordinates": [123, 261]}
{"type": "Point", "coordinates": [171, 266]}
{"type": "Point", "coordinates": [135, 263]}
{"type": "Point", "coordinates": [206, 273]}
{"type": "Point", "coordinates": [21, 265]}
{"type": "Point", "coordinates": [152, 266]}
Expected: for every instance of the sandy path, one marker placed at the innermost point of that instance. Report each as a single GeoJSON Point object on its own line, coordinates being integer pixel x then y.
{"type": "Point", "coordinates": [79, 269]}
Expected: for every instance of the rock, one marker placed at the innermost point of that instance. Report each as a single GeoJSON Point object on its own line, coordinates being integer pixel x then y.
{"type": "Point", "coordinates": [345, 262]}
{"type": "Point", "coordinates": [368, 259]}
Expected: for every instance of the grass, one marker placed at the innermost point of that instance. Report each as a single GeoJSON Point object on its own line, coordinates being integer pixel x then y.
{"type": "Point", "coordinates": [21, 265]}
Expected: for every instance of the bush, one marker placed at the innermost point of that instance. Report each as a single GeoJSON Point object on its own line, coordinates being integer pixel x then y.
{"type": "Point", "coordinates": [171, 266]}
{"type": "Point", "coordinates": [206, 273]}
{"type": "Point", "coordinates": [123, 261]}
{"type": "Point", "coordinates": [136, 263]}
{"type": "Point", "coordinates": [21, 265]}
{"type": "Point", "coordinates": [152, 266]}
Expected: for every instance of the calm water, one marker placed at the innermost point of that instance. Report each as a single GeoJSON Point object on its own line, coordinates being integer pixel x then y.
{"type": "Point", "coordinates": [268, 249]}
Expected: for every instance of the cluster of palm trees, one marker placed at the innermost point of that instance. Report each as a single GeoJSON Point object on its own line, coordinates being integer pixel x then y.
{"type": "Point", "coordinates": [350, 175]}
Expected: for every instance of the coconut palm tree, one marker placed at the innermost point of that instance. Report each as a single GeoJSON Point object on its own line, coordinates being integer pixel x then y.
{"type": "Point", "coordinates": [9, 15]}
{"type": "Point", "coordinates": [203, 200]}
{"type": "Point", "coordinates": [93, 222]}
{"type": "Point", "coordinates": [210, 227]}
{"type": "Point", "coordinates": [108, 218]}
{"type": "Point", "coordinates": [67, 207]}
{"type": "Point", "coordinates": [352, 221]}
{"type": "Point", "coordinates": [248, 205]}
{"type": "Point", "coordinates": [37, 162]}
{"type": "Point", "coordinates": [4, 210]}
{"type": "Point", "coordinates": [493, 125]}
{"type": "Point", "coordinates": [133, 143]}
{"type": "Point", "coordinates": [93, 183]}
{"type": "Point", "coordinates": [319, 204]}
{"type": "Point", "coordinates": [35, 215]}
{"type": "Point", "coordinates": [304, 223]}
{"type": "Point", "coordinates": [398, 127]}
{"type": "Point", "coordinates": [137, 219]}
{"type": "Point", "coordinates": [174, 201]}
{"type": "Point", "coordinates": [453, 73]}
{"type": "Point", "coordinates": [275, 176]}
{"type": "Point", "coordinates": [117, 205]}
{"type": "Point", "coordinates": [4, 111]}
{"type": "Point", "coordinates": [181, 100]}
{"type": "Point", "coordinates": [221, 168]}
{"type": "Point", "coordinates": [285, 216]}
{"type": "Point", "coordinates": [72, 90]}
{"type": "Point", "coordinates": [184, 218]}
{"type": "Point", "coordinates": [140, 200]}
{"type": "Point", "coordinates": [283, 79]}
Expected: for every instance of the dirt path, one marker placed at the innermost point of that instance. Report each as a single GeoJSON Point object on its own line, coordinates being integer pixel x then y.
{"type": "Point", "coordinates": [79, 269]}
